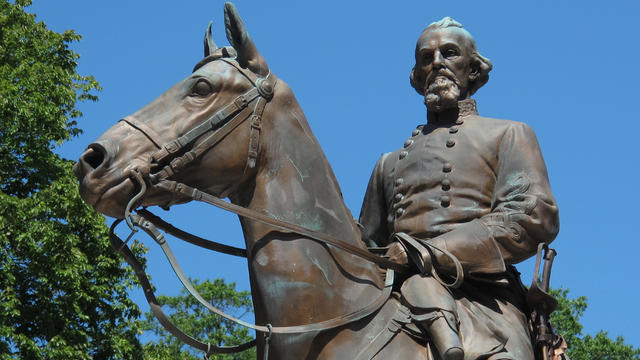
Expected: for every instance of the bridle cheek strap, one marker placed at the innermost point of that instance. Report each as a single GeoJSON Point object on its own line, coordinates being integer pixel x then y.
{"type": "Point", "coordinates": [254, 136]}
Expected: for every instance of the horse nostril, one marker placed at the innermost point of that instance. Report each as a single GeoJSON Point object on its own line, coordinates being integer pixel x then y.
{"type": "Point", "coordinates": [94, 156]}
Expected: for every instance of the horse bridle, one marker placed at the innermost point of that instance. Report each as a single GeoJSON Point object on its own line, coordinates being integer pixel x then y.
{"type": "Point", "coordinates": [223, 121]}
{"type": "Point", "coordinates": [175, 157]}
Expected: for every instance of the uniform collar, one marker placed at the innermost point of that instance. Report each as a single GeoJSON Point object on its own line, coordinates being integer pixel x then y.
{"type": "Point", "coordinates": [466, 107]}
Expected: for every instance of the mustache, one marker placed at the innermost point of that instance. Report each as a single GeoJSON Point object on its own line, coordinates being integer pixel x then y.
{"type": "Point", "coordinates": [442, 72]}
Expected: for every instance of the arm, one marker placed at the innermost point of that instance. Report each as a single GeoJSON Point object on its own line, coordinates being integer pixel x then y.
{"type": "Point", "coordinates": [373, 215]}
{"type": "Point", "coordinates": [523, 211]}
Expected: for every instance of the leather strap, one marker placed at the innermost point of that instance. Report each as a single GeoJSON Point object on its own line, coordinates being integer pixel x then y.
{"type": "Point", "coordinates": [424, 249]}
{"type": "Point", "coordinates": [180, 162]}
{"type": "Point", "coordinates": [263, 89]}
{"type": "Point", "coordinates": [210, 141]}
{"type": "Point", "coordinates": [152, 231]}
{"type": "Point", "coordinates": [118, 245]}
{"type": "Point", "coordinates": [195, 194]}
{"type": "Point", "coordinates": [239, 103]}
{"type": "Point", "coordinates": [190, 238]}
{"type": "Point", "coordinates": [401, 317]}
{"type": "Point", "coordinates": [254, 135]}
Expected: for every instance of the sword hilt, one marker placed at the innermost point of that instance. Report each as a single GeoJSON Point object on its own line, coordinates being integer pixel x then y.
{"type": "Point", "coordinates": [549, 255]}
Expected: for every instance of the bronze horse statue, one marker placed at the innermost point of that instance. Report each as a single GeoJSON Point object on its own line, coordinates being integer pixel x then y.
{"type": "Point", "coordinates": [257, 149]}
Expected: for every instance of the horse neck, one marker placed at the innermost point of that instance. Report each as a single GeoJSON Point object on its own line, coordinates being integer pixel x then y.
{"type": "Point", "coordinates": [295, 183]}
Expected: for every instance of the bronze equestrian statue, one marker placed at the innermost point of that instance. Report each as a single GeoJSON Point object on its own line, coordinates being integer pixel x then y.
{"type": "Point", "coordinates": [232, 129]}
{"type": "Point", "coordinates": [476, 187]}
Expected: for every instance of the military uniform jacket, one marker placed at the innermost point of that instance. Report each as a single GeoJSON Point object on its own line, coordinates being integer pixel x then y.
{"type": "Point", "coordinates": [477, 187]}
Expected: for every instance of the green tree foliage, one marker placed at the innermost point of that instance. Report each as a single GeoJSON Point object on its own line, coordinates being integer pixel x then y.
{"type": "Point", "coordinates": [195, 320]}
{"type": "Point", "coordinates": [586, 347]}
{"type": "Point", "coordinates": [63, 292]}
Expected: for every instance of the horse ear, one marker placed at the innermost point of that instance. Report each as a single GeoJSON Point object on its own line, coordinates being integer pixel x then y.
{"type": "Point", "coordinates": [248, 55]}
{"type": "Point", "coordinates": [209, 45]}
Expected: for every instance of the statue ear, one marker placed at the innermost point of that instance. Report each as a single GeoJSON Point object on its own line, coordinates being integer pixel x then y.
{"type": "Point", "coordinates": [480, 68]}
{"type": "Point", "coordinates": [475, 72]}
{"type": "Point", "coordinates": [209, 45]}
{"type": "Point", "coordinates": [417, 81]}
{"type": "Point", "coordinates": [248, 55]}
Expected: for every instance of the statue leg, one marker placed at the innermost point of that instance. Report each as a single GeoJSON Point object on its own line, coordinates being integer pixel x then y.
{"type": "Point", "coordinates": [434, 311]}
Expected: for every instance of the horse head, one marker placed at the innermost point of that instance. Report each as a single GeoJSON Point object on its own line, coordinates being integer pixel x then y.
{"type": "Point", "coordinates": [148, 141]}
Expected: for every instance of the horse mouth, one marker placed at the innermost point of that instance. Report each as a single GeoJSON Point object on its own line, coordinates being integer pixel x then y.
{"type": "Point", "coordinates": [113, 201]}
{"type": "Point", "coordinates": [110, 200]}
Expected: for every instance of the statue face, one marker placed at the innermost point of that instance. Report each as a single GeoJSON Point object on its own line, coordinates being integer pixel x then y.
{"type": "Point", "coordinates": [444, 57]}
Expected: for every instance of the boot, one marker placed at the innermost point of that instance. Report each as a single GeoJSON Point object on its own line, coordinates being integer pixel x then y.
{"type": "Point", "coordinates": [443, 332]}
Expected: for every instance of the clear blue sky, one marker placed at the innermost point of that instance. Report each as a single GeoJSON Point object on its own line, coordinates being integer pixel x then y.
{"type": "Point", "coordinates": [568, 70]}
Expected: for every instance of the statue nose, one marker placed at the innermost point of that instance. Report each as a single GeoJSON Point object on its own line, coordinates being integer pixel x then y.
{"type": "Point", "coordinates": [94, 157]}
{"type": "Point", "coordinates": [437, 59]}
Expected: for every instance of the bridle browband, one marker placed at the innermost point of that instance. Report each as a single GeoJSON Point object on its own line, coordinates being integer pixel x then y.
{"type": "Point", "coordinates": [174, 156]}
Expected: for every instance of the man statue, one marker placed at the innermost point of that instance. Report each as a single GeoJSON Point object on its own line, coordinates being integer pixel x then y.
{"type": "Point", "coordinates": [474, 187]}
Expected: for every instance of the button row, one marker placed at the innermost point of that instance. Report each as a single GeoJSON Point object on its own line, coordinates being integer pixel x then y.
{"type": "Point", "coordinates": [399, 196]}
{"type": "Point", "coordinates": [445, 200]}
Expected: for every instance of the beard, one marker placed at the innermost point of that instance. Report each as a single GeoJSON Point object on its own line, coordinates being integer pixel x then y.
{"type": "Point", "coordinates": [441, 94]}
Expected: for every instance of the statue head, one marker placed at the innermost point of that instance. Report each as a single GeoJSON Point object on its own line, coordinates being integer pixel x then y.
{"type": "Point", "coordinates": [448, 66]}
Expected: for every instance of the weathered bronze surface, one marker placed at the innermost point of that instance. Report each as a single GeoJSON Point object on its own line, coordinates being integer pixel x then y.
{"type": "Point", "coordinates": [474, 186]}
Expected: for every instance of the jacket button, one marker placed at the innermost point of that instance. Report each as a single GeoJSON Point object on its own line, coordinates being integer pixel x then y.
{"type": "Point", "coordinates": [403, 154]}
{"type": "Point", "coordinates": [451, 142]}
{"type": "Point", "coordinates": [446, 167]}
{"type": "Point", "coordinates": [408, 143]}
{"type": "Point", "coordinates": [415, 132]}
{"type": "Point", "coordinates": [399, 197]}
{"type": "Point", "coordinates": [399, 211]}
{"type": "Point", "coordinates": [445, 201]}
{"type": "Point", "coordinates": [459, 122]}
{"type": "Point", "coordinates": [446, 184]}
{"type": "Point", "coordinates": [453, 130]}
{"type": "Point", "coordinates": [399, 181]}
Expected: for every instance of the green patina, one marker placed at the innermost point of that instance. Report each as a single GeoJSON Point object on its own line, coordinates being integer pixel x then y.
{"type": "Point", "coordinates": [313, 223]}
{"type": "Point", "coordinates": [272, 172]}
{"type": "Point", "coordinates": [275, 216]}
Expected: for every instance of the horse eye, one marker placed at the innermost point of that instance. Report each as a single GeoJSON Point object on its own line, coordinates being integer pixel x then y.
{"type": "Point", "coordinates": [202, 88]}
